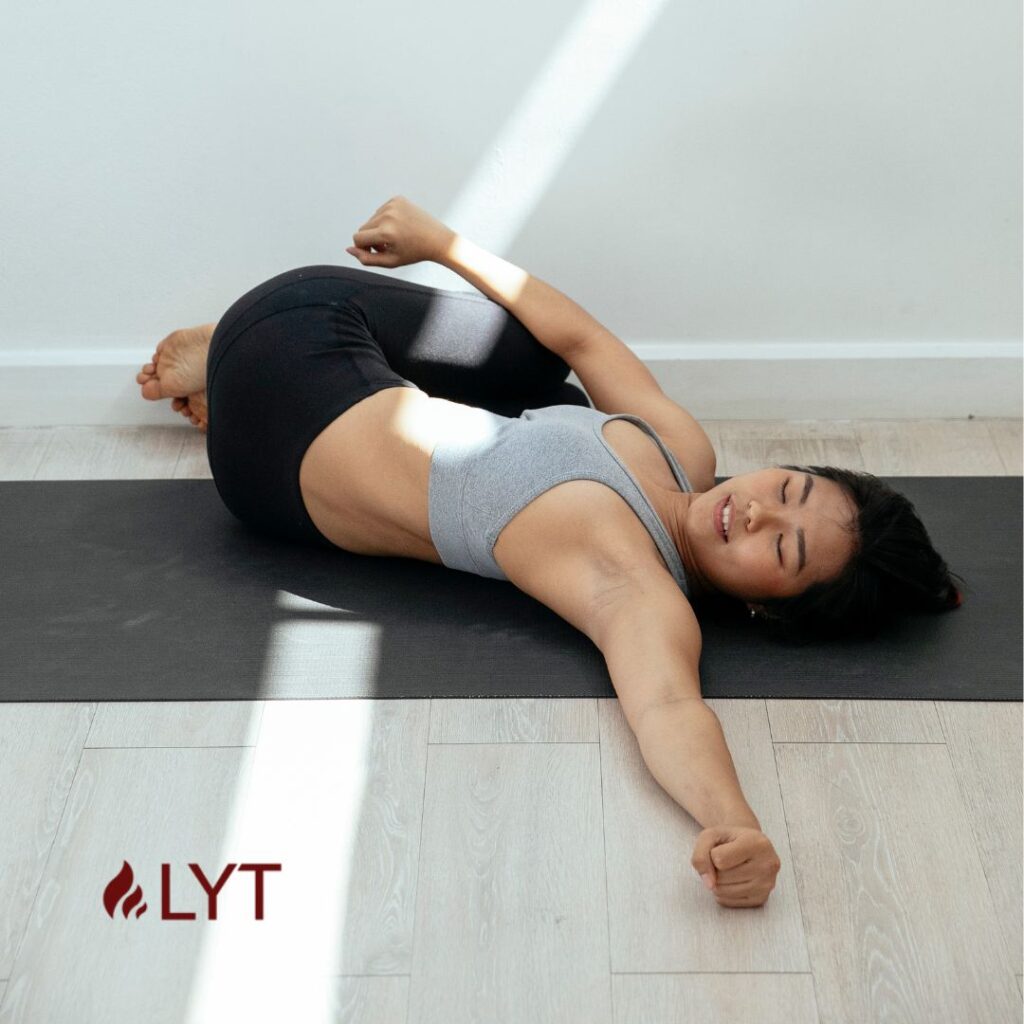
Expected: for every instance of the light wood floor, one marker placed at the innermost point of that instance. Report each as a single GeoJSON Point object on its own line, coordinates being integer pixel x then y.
{"type": "Point", "coordinates": [510, 860]}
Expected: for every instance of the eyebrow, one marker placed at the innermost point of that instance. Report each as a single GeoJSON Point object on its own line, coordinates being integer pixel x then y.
{"type": "Point", "coordinates": [800, 542]}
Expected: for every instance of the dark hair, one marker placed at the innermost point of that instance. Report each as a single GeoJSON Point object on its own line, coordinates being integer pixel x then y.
{"type": "Point", "coordinates": [894, 569]}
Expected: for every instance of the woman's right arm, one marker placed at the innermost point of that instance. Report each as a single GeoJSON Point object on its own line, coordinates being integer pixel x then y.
{"type": "Point", "coordinates": [400, 233]}
{"type": "Point", "coordinates": [550, 316]}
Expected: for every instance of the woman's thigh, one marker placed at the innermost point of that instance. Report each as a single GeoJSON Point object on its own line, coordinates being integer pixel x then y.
{"type": "Point", "coordinates": [453, 344]}
{"type": "Point", "coordinates": [272, 389]}
{"type": "Point", "coordinates": [457, 345]}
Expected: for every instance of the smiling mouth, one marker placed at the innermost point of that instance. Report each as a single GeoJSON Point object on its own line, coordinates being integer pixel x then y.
{"type": "Point", "coordinates": [719, 517]}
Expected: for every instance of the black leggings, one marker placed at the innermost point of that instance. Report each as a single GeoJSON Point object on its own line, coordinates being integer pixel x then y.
{"type": "Point", "coordinates": [291, 355]}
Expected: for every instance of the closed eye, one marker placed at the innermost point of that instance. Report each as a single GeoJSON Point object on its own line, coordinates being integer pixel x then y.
{"type": "Point", "coordinates": [779, 544]}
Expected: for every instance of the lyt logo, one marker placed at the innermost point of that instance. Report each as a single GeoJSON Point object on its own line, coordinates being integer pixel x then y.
{"type": "Point", "coordinates": [118, 887]}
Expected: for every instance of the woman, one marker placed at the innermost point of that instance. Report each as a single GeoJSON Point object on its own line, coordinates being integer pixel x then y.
{"type": "Point", "coordinates": [388, 418]}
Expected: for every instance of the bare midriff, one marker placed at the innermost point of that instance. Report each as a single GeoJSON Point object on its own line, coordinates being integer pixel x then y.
{"type": "Point", "coordinates": [364, 480]}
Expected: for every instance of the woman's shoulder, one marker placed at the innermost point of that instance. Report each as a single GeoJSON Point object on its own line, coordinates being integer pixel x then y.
{"type": "Point", "coordinates": [679, 432]}
{"type": "Point", "coordinates": [575, 546]}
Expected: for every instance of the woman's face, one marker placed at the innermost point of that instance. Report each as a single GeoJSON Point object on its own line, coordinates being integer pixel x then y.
{"type": "Point", "coordinates": [785, 533]}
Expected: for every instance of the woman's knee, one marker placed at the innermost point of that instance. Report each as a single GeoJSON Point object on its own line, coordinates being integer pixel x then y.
{"type": "Point", "coordinates": [564, 393]}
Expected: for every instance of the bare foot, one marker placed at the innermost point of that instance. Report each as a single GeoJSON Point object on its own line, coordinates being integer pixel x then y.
{"type": "Point", "coordinates": [194, 408]}
{"type": "Point", "coordinates": [178, 372]}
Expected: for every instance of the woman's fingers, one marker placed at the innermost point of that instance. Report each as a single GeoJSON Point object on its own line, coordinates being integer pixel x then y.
{"type": "Point", "coordinates": [743, 901]}
{"type": "Point", "coordinates": [364, 239]}
{"type": "Point", "coordinates": [375, 257]}
{"type": "Point", "coordinates": [741, 894]}
{"type": "Point", "coordinates": [735, 887]}
{"type": "Point", "coordinates": [374, 240]}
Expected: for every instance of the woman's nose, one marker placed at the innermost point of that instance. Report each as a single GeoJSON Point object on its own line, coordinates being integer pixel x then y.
{"type": "Point", "coordinates": [759, 515]}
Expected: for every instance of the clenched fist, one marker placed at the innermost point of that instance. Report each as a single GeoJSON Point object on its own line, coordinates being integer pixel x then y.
{"type": "Point", "coordinates": [740, 861]}
{"type": "Point", "coordinates": [400, 233]}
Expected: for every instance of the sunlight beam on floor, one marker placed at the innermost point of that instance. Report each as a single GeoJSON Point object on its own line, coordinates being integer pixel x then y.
{"type": "Point", "coordinates": [298, 803]}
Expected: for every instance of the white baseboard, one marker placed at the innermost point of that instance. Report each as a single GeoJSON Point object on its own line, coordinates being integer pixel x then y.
{"type": "Point", "coordinates": [713, 380]}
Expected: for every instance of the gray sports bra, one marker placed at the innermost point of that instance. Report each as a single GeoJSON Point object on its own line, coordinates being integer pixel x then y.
{"type": "Point", "coordinates": [479, 482]}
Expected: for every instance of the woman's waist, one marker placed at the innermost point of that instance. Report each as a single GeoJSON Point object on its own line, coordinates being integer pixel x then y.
{"type": "Point", "coordinates": [369, 473]}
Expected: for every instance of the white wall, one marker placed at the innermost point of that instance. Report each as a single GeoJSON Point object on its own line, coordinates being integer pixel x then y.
{"type": "Point", "coordinates": [689, 172]}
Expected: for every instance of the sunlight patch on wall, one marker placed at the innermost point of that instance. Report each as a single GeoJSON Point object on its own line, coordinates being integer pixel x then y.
{"type": "Point", "coordinates": [504, 189]}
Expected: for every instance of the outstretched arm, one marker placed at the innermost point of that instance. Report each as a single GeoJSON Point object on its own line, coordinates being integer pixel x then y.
{"type": "Point", "coordinates": [647, 635]}
{"type": "Point", "coordinates": [651, 642]}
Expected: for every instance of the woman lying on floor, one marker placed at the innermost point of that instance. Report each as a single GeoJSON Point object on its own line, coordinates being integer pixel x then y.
{"type": "Point", "coordinates": [346, 408]}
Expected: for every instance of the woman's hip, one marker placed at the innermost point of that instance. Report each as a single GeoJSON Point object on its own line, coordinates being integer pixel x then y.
{"type": "Point", "coordinates": [275, 387]}
{"type": "Point", "coordinates": [318, 285]}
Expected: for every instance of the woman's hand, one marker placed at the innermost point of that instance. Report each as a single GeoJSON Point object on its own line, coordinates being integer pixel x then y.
{"type": "Point", "coordinates": [740, 861]}
{"type": "Point", "coordinates": [400, 233]}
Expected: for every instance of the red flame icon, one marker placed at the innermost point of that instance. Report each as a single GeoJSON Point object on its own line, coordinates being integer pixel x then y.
{"type": "Point", "coordinates": [116, 889]}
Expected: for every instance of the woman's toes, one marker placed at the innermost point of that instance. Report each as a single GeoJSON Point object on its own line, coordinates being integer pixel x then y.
{"type": "Point", "coordinates": [152, 390]}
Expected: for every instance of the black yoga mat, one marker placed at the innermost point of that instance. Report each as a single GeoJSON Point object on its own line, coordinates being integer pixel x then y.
{"type": "Point", "coordinates": [151, 590]}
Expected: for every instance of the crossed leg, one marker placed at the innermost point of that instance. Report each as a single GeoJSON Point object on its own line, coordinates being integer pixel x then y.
{"type": "Point", "coordinates": [455, 345]}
